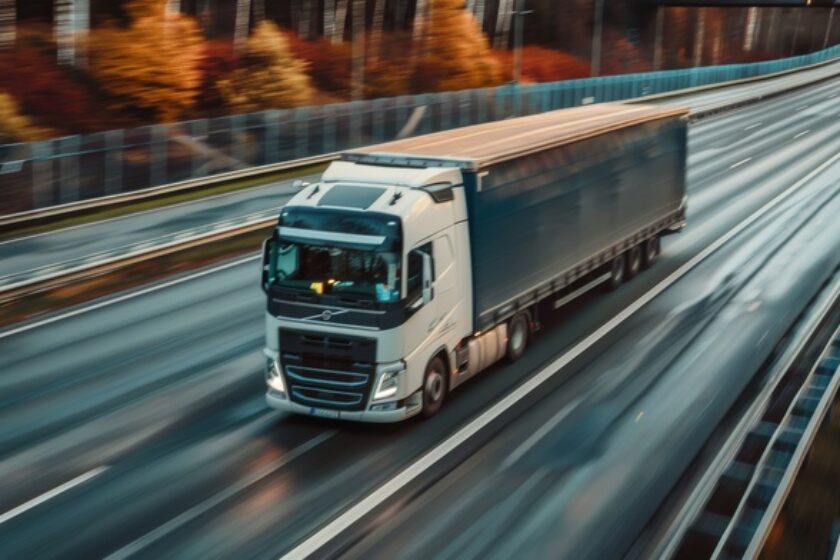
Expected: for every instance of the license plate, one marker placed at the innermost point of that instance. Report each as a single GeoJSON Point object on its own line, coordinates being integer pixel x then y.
{"type": "Point", "coordinates": [324, 413]}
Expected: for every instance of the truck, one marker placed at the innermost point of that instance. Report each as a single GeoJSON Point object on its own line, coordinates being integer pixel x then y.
{"type": "Point", "coordinates": [413, 265]}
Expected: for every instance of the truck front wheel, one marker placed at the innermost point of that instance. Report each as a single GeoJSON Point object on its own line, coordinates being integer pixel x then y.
{"type": "Point", "coordinates": [434, 387]}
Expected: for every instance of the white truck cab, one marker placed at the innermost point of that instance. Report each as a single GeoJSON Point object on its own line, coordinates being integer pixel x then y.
{"type": "Point", "coordinates": [367, 288]}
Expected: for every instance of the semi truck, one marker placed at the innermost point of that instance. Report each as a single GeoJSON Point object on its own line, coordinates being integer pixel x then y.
{"type": "Point", "coordinates": [413, 265]}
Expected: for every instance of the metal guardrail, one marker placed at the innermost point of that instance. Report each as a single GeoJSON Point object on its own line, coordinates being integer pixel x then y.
{"type": "Point", "coordinates": [776, 470]}
{"type": "Point", "coordinates": [35, 279]}
{"type": "Point", "coordinates": [733, 507]}
{"type": "Point", "coordinates": [65, 170]}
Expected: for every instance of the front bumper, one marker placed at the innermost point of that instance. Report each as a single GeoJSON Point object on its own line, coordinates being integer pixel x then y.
{"type": "Point", "coordinates": [280, 402]}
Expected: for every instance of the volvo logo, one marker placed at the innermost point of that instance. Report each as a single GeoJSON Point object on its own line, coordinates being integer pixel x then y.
{"type": "Point", "coordinates": [326, 314]}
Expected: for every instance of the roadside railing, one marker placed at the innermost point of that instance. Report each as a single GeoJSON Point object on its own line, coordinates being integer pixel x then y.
{"type": "Point", "coordinates": [64, 170]}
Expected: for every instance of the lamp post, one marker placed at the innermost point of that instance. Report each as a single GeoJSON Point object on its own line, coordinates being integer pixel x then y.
{"type": "Point", "coordinates": [597, 31]}
{"type": "Point", "coordinates": [519, 13]}
{"type": "Point", "coordinates": [657, 46]}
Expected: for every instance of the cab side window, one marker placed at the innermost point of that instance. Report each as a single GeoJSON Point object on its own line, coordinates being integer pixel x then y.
{"type": "Point", "coordinates": [415, 271]}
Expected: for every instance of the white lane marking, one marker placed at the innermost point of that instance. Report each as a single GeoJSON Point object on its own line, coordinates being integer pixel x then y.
{"type": "Point", "coordinates": [801, 134]}
{"type": "Point", "coordinates": [376, 498]}
{"type": "Point", "coordinates": [118, 299]}
{"type": "Point", "coordinates": [740, 163]}
{"type": "Point", "coordinates": [801, 107]}
{"type": "Point", "coordinates": [754, 125]}
{"type": "Point", "coordinates": [82, 478]}
{"type": "Point", "coordinates": [529, 443]}
{"type": "Point", "coordinates": [200, 508]}
{"type": "Point", "coordinates": [831, 96]}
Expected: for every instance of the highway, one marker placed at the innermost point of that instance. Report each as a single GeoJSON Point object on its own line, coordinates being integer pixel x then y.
{"type": "Point", "coordinates": [138, 428]}
{"type": "Point", "coordinates": [76, 244]}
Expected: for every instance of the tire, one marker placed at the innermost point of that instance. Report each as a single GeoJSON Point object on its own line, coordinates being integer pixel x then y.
{"type": "Point", "coordinates": [616, 273]}
{"type": "Point", "coordinates": [434, 387]}
{"type": "Point", "coordinates": [650, 252]}
{"type": "Point", "coordinates": [518, 330]}
{"type": "Point", "coordinates": [634, 261]}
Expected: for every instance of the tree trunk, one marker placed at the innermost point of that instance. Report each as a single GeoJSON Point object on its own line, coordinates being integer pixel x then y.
{"type": "Point", "coordinates": [503, 24]}
{"type": "Point", "coordinates": [378, 28]}
{"type": "Point", "coordinates": [340, 20]}
{"type": "Point", "coordinates": [400, 14]}
{"type": "Point", "coordinates": [242, 25]}
{"type": "Point", "coordinates": [329, 18]}
{"type": "Point", "coordinates": [699, 36]}
{"type": "Point", "coordinates": [8, 24]}
{"type": "Point", "coordinates": [479, 12]}
{"type": "Point", "coordinates": [259, 11]}
{"type": "Point", "coordinates": [750, 29]}
{"type": "Point", "coordinates": [65, 46]}
{"type": "Point", "coordinates": [358, 74]}
{"type": "Point", "coordinates": [305, 19]}
{"type": "Point", "coordinates": [419, 25]}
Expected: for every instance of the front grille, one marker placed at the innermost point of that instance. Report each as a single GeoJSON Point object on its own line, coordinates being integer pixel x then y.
{"type": "Point", "coordinates": [328, 371]}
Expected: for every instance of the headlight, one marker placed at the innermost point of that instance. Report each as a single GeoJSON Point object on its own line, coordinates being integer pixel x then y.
{"type": "Point", "coordinates": [389, 381]}
{"type": "Point", "coordinates": [274, 377]}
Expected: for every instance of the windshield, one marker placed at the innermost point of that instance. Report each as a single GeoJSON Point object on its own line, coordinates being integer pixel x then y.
{"type": "Point", "coordinates": [317, 269]}
{"type": "Point", "coordinates": [348, 255]}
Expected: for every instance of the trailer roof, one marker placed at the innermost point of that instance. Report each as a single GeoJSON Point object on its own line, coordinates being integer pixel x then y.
{"type": "Point", "coordinates": [473, 147]}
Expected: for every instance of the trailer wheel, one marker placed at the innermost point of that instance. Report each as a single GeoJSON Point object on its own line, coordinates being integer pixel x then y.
{"type": "Point", "coordinates": [518, 330]}
{"type": "Point", "coordinates": [616, 272]}
{"type": "Point", "coordinates": [651, 251]}
{"type": "Point", "coordinates": [634, 261]}
{"type": "Point", "coordinates": [434, 387]}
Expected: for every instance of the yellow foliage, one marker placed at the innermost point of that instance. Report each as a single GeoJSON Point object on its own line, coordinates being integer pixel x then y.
{"type": "Point", "coordinates": [152, 65]}
{"type": "Point", "coordinates": [15, 127]}
{"type": "Point", "coordinates": [137, 9]}
{"type": "Point", "coordinates": [455, 54]}
{"type": "Point", "coordinates": [269, 76]}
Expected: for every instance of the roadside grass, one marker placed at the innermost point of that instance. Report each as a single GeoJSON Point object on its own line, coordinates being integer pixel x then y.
{"type": "Point", "coordinates": [131, 207]}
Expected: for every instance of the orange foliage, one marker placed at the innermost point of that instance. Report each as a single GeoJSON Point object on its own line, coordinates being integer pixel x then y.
{"type": "Point", "coordinates": [455, 53]}
{"type": "Point", "coordinates": [328, 64]}
{"type": "Point", "coordinates": [540, 64]}
{"type": "Point", "coordinates": [218, 61]}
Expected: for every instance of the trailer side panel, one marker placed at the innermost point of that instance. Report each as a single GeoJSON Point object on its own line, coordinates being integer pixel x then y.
{"type": "Point", "coordinates": [536, 218]}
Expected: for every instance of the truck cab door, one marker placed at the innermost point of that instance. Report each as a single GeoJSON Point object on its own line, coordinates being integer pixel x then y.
{"type": "Point", "coordinates": [420, 323]}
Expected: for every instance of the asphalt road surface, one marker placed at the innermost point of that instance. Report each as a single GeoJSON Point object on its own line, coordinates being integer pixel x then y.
{"type": "Point", "coordinates": [136, 426]}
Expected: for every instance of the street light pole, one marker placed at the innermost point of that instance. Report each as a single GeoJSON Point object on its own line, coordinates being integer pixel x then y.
{"type": "Point", "coordinates": [828, 28]}
{"type": "Point", "coordinates": [657, 46]}
{"type": "Point", "coordinates": [358, 71]}
{"type": "Point", "coordinates": [595, 64]}
{"type": "Point", "coordinates": [519, 25]}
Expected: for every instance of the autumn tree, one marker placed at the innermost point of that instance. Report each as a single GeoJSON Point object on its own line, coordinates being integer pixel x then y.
{"type": "Point", "coordinates": [268, 76]}
{"type": "Point", "coordinates": [455, 54]}
{"type": "Point", "coordinates": [15, 127]}
{"type": "Point", "coordinates": [153, 64]}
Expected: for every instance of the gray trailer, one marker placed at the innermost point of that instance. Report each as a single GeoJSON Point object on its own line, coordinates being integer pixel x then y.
{"type": "Point", "coordinates": [413, 265]}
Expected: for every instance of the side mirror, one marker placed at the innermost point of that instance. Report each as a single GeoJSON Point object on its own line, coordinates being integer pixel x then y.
{"type": "Point", "coordinates": [427, 278]}
{"type": "Point", "coordinates": [267, 252]}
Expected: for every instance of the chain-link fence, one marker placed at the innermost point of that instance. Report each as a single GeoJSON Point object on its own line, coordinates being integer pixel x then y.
{"type": "Point", "coordinates": [42, 174]}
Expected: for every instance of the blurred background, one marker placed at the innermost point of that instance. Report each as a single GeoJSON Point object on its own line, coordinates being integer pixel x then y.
{"type": "Point", "coordinates": [82, 66]}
